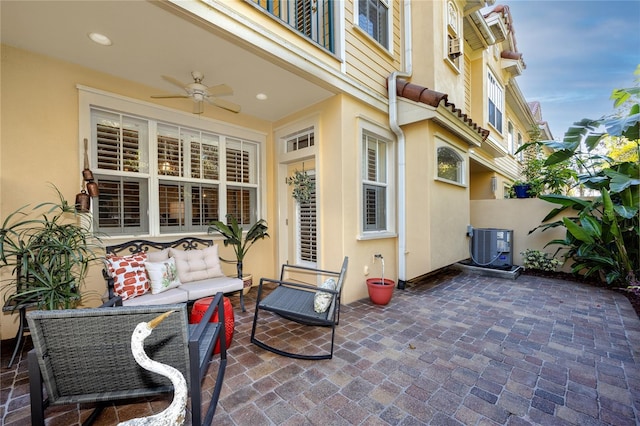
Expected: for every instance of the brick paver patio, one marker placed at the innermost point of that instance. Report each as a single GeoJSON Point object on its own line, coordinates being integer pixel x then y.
{"type": "Point", "coordinates": [456, 349]}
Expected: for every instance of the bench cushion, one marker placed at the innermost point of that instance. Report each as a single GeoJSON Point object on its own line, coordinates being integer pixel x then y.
{"type": "Point", "coordinates": [175, 295]}
{"type": "Point", "coordinates": [196, 265]}
{"type": "Point", "coordinates": [204, 288]}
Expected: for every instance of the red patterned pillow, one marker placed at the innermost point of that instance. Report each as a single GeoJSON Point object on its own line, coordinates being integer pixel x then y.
{"type": "Point", "coordinates": [129, 275]}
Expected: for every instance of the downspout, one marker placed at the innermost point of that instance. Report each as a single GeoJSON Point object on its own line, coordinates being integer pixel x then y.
{"type": "Point", "coordinates": [395, 127]}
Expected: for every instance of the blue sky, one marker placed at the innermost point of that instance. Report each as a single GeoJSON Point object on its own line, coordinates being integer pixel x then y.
{"type": "Point", "coordinates": [576, 53]}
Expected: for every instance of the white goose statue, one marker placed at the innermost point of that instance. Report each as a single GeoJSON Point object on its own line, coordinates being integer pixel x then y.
{"type": "Point", "coordinates": [174, 414]}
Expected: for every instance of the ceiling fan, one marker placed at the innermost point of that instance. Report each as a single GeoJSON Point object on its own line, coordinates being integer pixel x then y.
{"type": "Point", "coordinates": [201, 93]}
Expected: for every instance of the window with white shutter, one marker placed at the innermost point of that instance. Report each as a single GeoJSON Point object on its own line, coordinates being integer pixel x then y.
{"type": "Point", "coordinates": [185, 180]}
{"type": "Point", "coordinates": [307, 227]}
{"type": "Point", "coordinates": [374, 182]}
{"type": "Point", "coordinates": [495, 102]}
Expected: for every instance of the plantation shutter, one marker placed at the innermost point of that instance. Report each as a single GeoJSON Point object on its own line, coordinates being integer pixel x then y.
{"type": "Point", "coordinates": [117, 148]}
{"type": "Point", "coordinates": [239, 204]}
{"type": "Point", "coordinates": [307, 227]}
{"type": "Point", "coordinates": [237, 165]}
{"type": "Point", "coordinates": [204, 161]}
{"type": "Point", "coordinates": [169, 156]}
{"type": "Point", "coordinates": [205, 205]}
{"type": "Point", "coordinates": [119, 204]}
{"type": "Point", "coordinates": [374, 184]}
{"type": "Point", "coordinates": [304, 9]}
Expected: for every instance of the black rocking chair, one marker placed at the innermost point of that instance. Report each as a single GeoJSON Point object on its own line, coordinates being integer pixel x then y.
{"type": "Point", "coordinates": [293, 299]}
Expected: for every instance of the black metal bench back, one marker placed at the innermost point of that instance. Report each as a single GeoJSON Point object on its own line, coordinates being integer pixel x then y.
{"type": "Point", "coordinates": [140, 246]}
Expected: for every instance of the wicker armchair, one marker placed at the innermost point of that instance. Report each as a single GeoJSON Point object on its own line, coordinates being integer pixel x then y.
{"type": "Point", "coordinates": [294, 299]}
{"type": "Point", "coordinates": [84, 356]}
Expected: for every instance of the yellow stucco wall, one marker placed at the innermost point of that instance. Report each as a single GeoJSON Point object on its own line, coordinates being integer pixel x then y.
{"type": "Point", "coordinates": [40, 145]}
{"type": "Point", "coordinates": [520, 215]}
{"type": "Point", "coordinates": [437, 211]}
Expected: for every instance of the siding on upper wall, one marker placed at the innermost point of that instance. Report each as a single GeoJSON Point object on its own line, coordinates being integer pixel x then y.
{"type": "Point", "coordinates": [366, 61]}
{"type": "Point", "coordinates": [467, 85]}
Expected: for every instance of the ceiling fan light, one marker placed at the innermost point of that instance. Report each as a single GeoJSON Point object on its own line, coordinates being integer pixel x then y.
{"type": "Point", "coordinates": [100, 39]}
{"type": "Point", "coordinates": [261, 97]}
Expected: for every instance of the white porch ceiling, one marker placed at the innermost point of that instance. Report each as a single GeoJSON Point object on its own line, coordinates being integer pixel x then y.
{"type": "Point", "coordinates": [150, 41]}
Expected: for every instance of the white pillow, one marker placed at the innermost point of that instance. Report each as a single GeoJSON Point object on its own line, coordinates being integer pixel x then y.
{"type": "Point", "coordinates": [163, 275]}
{"type": "Point", "coordinates": [194, 265]}
{"type": "Point", "coordinates": [322, 299]}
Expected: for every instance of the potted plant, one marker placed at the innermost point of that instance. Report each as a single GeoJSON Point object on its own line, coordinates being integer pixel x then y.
{"type": "Point", "coordinates": [233, 236]}
{"type": "Point", "coordinates": [540, 177]}
{"type": "Point", "coordinates": [49, 249]}
{"type": "Point", "coordinates": [520, 189]}
{"type": "Point", "coordinates": [303, 186]}
{"type": "Point", "coordinates": [380, 289]}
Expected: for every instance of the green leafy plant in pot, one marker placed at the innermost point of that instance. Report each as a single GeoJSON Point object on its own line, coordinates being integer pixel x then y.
{"type": "Point", "coordinates": [233, 236]}
{"type": "Point", "coordinates": [49, 249]}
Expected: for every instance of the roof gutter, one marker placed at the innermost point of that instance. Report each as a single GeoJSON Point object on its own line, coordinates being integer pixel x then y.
{"type": "Point", "coordinates": [395, 127]}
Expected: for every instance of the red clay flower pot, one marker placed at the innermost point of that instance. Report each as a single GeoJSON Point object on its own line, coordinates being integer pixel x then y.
{"type": "Point", "coordinates": [380, 291]}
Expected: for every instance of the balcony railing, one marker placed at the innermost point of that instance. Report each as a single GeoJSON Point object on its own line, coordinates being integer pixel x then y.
{"type": "Point", "coordinates": [311, 18]}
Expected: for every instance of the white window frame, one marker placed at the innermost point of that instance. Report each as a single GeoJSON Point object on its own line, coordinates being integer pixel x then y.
{"type": "Point", "coordinates": [383, 135]}
{"type": "Point", "coordinates": [90, 98]}
{"type": "Point", "coordinates": [462, 168]}
{"type": "Point", "coordinates": [510, 129]}
{"type": "Point", "coordinates": [495, 96]}
{"type": "Point", "coordinates": [453, 32]}
{"type": "Point", "coordinates": [520, 143]}
{"type": "Point", "coordinates": [389, 27]}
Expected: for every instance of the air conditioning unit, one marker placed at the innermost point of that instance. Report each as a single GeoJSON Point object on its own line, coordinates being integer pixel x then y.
{"type": "Point", "coordinates": [492, 247]}
{"type": "Point", "coordinates": [455, 48]}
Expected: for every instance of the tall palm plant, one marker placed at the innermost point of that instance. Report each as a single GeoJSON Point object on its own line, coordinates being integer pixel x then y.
{"type": "Point", "coordinates": [233, 236]}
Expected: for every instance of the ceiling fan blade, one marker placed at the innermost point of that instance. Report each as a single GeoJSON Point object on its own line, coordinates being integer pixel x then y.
{"type": "Point", "coordinates": [169, 96]}
{"type": "Point", "coordinates": [220, 90]}
{"type": "Point", "coordinates": [174, 81]}
{"type": "Point", "coordinates": [230, 106]}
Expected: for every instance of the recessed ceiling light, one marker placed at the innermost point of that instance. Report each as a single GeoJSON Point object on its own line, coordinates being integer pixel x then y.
{"type": "Point", "coordinates": [100, 39]}
{"type": "Point", "coordinates": [261, 96]}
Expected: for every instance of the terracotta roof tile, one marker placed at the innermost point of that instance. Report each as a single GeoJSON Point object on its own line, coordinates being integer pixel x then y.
{"type": "Point", "coordinates": [430, 97]}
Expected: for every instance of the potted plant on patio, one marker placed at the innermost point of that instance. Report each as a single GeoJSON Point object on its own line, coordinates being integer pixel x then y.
{"type": "Point", "coordinates": [49, 249]}
{"type": "Point", "coordinates": [233, 236]}
{"type": "Point", "coordinates": [380, 289]}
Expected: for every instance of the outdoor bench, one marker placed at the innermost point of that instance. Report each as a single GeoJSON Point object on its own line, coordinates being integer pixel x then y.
{"type": "Point", "coordinates": [157, 273]}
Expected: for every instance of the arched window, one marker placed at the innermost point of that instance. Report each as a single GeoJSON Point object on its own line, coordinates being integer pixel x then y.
{"type": "Point", "coordinates": [450, 165]}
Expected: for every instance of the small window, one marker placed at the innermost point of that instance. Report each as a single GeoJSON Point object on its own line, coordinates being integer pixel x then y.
{"type": "Point", "coordinates": [300, 140]}
{"type": "Point", "coordinates": [510, 138]}
{"type": "Point", "coordinates": [450, 165]}
{"type": "Point", "coordinates": [520, 154]}
{"type": "Point", "coordinates": [374, 183]}
{"type": "Point", "coordinates": [373, 18]}
{"type": "Point", "coordinates": [453, 49]}
{"type": "Point", "coordinates": [495, 102]}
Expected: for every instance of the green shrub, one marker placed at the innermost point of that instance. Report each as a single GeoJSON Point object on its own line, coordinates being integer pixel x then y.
{"type": "Point", "coordinates": [536, 259]}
